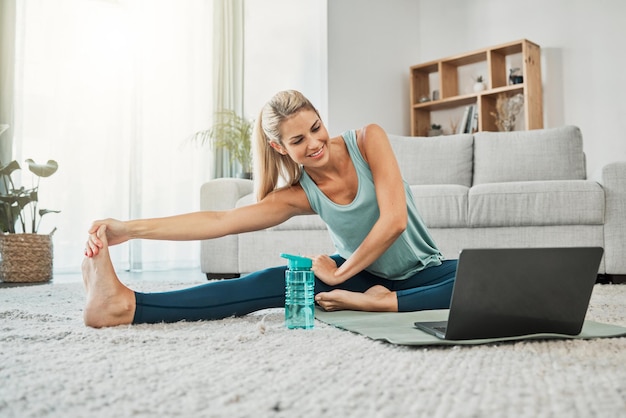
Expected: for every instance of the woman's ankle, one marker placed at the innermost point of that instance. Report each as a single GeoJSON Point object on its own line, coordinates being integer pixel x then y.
{"type": "Point", "coordinates": [110, 311]}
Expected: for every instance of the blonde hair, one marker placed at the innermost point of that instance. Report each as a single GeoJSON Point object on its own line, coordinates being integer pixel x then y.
{"type": "Point", "coordinates": [269, 164]}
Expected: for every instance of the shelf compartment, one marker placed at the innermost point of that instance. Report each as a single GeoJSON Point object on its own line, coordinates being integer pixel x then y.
{"type": "Point", "coordinates": [448, 103]}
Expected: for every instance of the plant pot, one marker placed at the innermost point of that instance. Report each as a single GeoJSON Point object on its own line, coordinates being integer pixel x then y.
{"type": "Point", "coordinates": [25, 258]}
{"type": "Point", "coordinates": [435, 132]}
{"type": "Point", "coordinates": [479, 86]}
{"type": "Point", "coordinates": [244, 175]}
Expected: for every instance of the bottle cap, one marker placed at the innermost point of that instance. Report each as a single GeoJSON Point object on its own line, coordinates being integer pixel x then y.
{"type": "Point", "coordinates": [298, 262]}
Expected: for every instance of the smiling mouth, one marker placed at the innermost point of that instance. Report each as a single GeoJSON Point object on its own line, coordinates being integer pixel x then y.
{"type": "Point", "coordinates": [317, 153]}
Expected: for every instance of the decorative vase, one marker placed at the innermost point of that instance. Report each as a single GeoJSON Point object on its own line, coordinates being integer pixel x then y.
{"type": "Point", "coordinates": [479, 86]}
{"type": "Point", "coordinates": [508, 126]}
{"type": "Point", "coordinates": [244, 175]}
{"type": "Point", "coordinates": [25, 258]}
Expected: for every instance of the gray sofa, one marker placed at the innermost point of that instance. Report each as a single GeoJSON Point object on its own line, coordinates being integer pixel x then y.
{"type": "Point", "coordinates": [486, 190]}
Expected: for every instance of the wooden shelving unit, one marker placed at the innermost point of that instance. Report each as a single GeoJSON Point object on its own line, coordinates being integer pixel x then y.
{"type": "Point", "coordinates": [494, 63]}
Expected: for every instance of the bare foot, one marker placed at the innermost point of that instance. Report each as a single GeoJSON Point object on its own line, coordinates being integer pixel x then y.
{"type": "Point", "coordinates": [375, 299]}
{"type": "Point", "coordinates": [109, 302]}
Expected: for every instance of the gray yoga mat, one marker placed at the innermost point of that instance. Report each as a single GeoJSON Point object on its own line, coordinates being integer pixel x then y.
{"type": "Point", "coordinates": [398, 328]}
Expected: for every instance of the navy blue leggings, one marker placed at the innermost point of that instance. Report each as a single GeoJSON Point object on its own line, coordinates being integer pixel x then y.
{"type": "Point", "coordinates": [428, 289]}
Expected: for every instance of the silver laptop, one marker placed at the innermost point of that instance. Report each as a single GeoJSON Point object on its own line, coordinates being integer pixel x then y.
{"type": "Point", "coordinates": [516, 292]}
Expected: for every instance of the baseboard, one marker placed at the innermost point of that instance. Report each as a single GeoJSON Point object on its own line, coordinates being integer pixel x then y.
{"type": "Point", "coordinates": [219, 276]}
{"type": "Point", "coordinates": [611, 279]}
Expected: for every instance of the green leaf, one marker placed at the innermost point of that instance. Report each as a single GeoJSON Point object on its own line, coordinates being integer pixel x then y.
{"type": "Point", "coordinates": [231, 132]}
{"type": "Point", "coordinates": [22, 201]}
{"type": "Point", "coordinates": [8, 198]}
{"type": "Point", "coordinates": [13, 202]}
{"type": "Point", "coordinates": [43, 170]}
{"type": "Point", "coordinates": [8, 169]}
{"type": "Point", "coordinates": [46, 211]}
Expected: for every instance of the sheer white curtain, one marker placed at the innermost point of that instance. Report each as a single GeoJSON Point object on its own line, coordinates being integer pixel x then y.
{"type": "Point", "coordinates": [111, 90]}
{"type": "Point", "coordinates": [228, 43]}
{"type": "Point", "coordinates": [7, 77]}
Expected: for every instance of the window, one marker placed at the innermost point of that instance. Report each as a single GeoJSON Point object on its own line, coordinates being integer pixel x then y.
{"type": "Point", "coordinates": [111, 90]}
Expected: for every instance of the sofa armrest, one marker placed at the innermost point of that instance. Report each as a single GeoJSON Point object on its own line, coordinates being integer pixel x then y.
{"type": "Point", "coordinates": [220, 257]}
{"type": "Point", "coordinates": [223, 193]}
{"type": "Point", "coordinates": [612, 177]}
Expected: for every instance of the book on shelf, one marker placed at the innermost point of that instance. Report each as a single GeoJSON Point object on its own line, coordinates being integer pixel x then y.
{"type": "Point", "coordinates": [469, 120]}
{"type": "Point", "coordinates": [474, 123]}
{"type": "Point", "coordinates": [463, 122]}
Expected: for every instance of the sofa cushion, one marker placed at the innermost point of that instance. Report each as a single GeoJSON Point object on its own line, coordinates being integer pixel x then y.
{"type": "Point", "coordinates": [442, 206]}
{"type": "Point", "coordinates": [548, 154]}
{"type": "Point", "coordinates": [536, 203]}
{"type": "Point", "coordinates": [434, 160]}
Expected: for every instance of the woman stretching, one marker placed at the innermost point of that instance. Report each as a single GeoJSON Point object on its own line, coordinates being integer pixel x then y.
{"type": "Point", "coordinates": [386, 260]}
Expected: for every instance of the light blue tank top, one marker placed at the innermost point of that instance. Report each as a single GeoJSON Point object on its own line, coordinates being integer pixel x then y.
{"type": "Point", "coordinates": [349, 224]}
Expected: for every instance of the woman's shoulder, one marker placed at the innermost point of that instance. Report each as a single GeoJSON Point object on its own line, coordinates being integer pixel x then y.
{"type": "Point", "coordinates": [369, 137]}
{"type": "Point", "coordinates": [291, 195]}
{"type": "Point", "coordinates": [371, 130]}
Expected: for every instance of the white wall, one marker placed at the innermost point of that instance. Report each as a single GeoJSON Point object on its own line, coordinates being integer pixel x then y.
{"type": "Point", "coordinates": [285, 48]}
{"type": "Point", "coordinates": [372, 45]}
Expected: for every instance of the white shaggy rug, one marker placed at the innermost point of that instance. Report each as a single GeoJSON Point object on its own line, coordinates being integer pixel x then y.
{"type": "Point", "coordinates": [53, 366]}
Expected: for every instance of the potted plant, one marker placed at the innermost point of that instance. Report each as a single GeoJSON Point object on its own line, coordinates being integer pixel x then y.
{"type": "Point", "coordinates": [479, 84]}
{"type": "Point", "coordinates": [232, 133]}
{"type": "Point", "coordinates": [26, 254]}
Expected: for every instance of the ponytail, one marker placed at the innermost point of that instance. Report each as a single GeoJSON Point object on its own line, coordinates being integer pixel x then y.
{"type": "Point", "coordinates": [269, 165]}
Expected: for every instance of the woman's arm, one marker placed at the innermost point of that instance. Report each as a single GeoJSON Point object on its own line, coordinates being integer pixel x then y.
{"type": "Point", "coordinates": [274, 209]}
{"type": "Point", "coordinates": [390, 195]}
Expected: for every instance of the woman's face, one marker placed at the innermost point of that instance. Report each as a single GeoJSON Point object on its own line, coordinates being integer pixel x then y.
{"type": "Point", "coordinates": [305, 139]}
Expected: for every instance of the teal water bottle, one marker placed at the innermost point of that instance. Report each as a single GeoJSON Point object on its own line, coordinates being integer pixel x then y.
{"type": "Point", "coordinates": [299, 292]}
